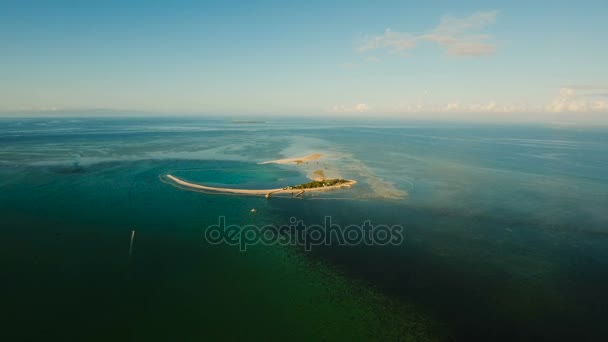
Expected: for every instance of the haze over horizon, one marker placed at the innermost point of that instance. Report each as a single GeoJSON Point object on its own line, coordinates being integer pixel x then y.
{"type": "Point", "coordinates": [441, 60]}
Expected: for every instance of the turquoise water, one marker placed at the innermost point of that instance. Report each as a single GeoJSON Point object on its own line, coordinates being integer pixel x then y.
{"type": "Point", "coordinates": [506, 231]}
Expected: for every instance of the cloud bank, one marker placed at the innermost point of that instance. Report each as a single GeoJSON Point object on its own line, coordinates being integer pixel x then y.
{"type": "Point", "coordinates": [569, 100]}
{"type": "Point", "coordinates": [574, 99]}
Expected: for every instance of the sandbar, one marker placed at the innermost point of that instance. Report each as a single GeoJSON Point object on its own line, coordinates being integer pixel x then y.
{"type": "Point", "coordinates": [299, 160]}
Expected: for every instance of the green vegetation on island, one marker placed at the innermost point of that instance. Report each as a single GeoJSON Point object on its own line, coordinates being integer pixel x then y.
{"type": "Point", "coordinates": [320, 183]}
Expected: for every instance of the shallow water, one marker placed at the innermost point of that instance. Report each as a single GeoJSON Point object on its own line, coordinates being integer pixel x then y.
{"type": "Point", "coordinates": [506, 231]}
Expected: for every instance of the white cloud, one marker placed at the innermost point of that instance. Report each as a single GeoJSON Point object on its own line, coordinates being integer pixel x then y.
{"type": "Point", "coordinates": [600, 106]}
{"type": "Point", "coordinates": [458, 36]}
{"type": "Point", "coordinates": [357, 108]}
{"type": "Point", "coordinates": [390, 39]}
{"type": "Point", "coordinates": [491, 106]}
{"type": "Point", "coordinates": [569, 100]}
{"type": "Point", "coordinates": [455, 34]}
{"type": "Point", "coordinates": [452, 106]}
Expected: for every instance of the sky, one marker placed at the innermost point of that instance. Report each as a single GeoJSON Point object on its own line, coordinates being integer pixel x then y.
{"type": "Point", "coordinates": [344, 58]}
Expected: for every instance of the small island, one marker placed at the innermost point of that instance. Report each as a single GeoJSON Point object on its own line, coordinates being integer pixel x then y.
{"type": "Point", "coordinates": [318, 182]}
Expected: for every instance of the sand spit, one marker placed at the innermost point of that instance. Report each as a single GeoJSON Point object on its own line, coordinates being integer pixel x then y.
{"type": "Point", "coordinates": [262, 192]}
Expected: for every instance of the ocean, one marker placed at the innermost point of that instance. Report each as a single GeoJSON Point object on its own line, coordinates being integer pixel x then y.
{"type": "Point", "coordinates": [505, 230]}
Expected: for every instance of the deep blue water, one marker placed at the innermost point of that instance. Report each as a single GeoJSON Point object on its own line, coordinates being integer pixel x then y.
{"type": "Point", "coordinates": [506, 230]}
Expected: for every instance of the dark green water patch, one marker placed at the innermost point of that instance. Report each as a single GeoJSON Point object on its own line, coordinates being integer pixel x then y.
{"type": "Point", "coordinates": [67, 273]}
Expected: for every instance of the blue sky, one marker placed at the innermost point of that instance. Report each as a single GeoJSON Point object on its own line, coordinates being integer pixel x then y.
{"type": "Point", "coordinates": [400, 58]}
